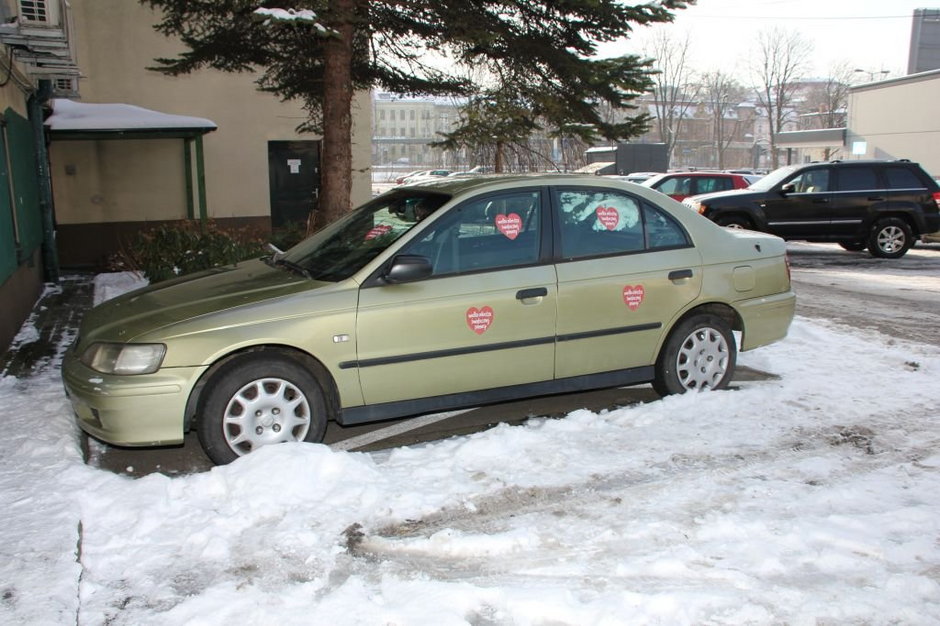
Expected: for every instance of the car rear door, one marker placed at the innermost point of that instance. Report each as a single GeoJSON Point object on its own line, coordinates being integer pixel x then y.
{"type": "Point", "coordinates": [626, 268]}
{"type": "Point", "coordinates": [856, 192]}
{"type": "Point", "coordinates": [484, 319]}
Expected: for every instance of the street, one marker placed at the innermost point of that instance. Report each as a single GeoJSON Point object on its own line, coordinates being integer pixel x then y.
{"type": "Point", "coordinates": [899, 298]}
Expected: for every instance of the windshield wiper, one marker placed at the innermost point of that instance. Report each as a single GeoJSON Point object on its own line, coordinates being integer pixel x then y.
{"type": "Point", "coordinates": [295, 267]}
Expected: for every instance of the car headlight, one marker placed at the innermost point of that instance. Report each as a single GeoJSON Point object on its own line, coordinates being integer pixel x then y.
{"type": "Point", "coordinates": [695, 205]}
{"type": "Point", "coordinates": [124, 358]}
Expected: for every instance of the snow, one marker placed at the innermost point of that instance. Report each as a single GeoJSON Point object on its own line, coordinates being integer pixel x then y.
{"type": "Point", "coordinates": [809, 499]}
{"type": "Point", "coordinates": [71, 115]}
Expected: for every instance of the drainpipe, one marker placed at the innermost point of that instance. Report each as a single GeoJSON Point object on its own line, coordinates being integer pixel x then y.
{"type": "Point", "coordinates": [50, 254]}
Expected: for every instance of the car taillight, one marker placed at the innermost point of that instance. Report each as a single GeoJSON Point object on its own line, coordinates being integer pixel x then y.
{"type": "Point", "coordinates": [936, 198]}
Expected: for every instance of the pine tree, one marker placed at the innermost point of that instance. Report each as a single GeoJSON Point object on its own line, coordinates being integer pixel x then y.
{"type": "Point", "coordinates": [542, 52]}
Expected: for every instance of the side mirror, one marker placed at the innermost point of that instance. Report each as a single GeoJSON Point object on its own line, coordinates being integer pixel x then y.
{"type": "Point", "coordinates": [788, 188]}
{"type": "Point", "coordinates": [407, 268]}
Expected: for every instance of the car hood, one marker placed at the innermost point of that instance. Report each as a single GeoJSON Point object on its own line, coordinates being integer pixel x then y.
{"type": "Point", "coordinates": [736, 195]}
{"type": "Point", "coordinates": [149, 309]}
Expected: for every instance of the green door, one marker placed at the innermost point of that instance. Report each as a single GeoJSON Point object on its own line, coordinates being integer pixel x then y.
{"type": "Point", "coordinates": [627, 268]}
{"type": "Point", "coordinates": [485, 318]}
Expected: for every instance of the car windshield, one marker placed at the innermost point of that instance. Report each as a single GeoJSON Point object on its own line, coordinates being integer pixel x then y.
{"type": "Point", "coordinates": [345, 246]}
{"type": "Point", "coordinates": [771, 180]}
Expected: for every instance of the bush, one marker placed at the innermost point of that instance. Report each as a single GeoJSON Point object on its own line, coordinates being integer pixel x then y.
{"type": "Point", "coordinates": [179, 248]}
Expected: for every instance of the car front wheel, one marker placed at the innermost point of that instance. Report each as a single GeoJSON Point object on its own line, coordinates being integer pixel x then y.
{"type": "Point", "coordinates": [256, 401]}
{"type": "Point", "coordinates": [699, 354]}
{"type": "Point", "coordinates": [890, 238]}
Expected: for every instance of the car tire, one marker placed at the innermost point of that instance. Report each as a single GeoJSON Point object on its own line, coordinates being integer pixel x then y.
{"type": "Point", "coordinates": [255, 401]}
{"type": "Point", "coordinates": [853, 246]}
{"type": "Point", "coordinates": [699, 354]}
{"type": "Point", "coordinates": [735, 221]}
{"type": "Point", "coordinates": [890, 238]}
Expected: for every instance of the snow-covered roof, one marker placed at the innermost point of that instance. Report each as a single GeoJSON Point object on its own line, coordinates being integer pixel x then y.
{"type": "Point", "coordinates": [68, 115]}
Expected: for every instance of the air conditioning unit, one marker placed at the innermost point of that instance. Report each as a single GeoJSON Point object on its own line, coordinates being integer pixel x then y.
{"type": "Point", "coordinates": [40, 37]}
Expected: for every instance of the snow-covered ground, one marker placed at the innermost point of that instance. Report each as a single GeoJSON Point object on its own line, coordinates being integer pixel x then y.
{"type": "Point", "coordinates": [814, 499]}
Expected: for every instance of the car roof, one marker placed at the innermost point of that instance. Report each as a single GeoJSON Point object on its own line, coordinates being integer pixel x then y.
{"type": "Point", "coordinates": [464, 185]}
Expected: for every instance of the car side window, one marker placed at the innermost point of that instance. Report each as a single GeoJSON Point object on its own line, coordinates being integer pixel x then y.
{"type": "Point", "coordinates": [708, 184]}
{"type": "Point", "coordinates": [811, 181]}
{"type": "Point", "coordinates": [598, 223]}
{"type": "Point", "coordinates": [496, 231]}
{"type": "Point", "coordinates": [857, 179]}
{"type": "Point", "coordinates": [902, 178]}
{"type": "Point", "coordinates": [680, 185]}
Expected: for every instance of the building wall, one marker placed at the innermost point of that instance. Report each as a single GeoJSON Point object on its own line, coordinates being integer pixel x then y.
{"type": "Point", "coordinates": [897, 119]}
{"type": "Point", "coordinates": [125, 181]}
{"type": "Point", "coordinates": [21, 271]}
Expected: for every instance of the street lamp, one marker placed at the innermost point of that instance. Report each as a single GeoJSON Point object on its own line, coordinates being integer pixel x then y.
{"type": "Point", "coordinates": [872, 73]}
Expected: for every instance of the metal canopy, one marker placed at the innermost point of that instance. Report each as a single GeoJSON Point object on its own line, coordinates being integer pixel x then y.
{"type": "Point", "coordinates": [81, 121]}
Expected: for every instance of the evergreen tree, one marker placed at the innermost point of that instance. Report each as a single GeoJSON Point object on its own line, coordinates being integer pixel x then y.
{"type": "Point", "coordinates": [542, 50]}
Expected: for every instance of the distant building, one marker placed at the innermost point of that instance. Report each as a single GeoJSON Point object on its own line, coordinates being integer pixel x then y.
{"type": "Point", "coordinates": [925, 41]}
{"type": "Point", "coordinates": [403, 127]}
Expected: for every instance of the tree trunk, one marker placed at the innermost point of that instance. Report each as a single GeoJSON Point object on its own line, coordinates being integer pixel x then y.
{"type": "Point", "coordinates": [336, 158]}
{"type": "Point", "coordinates": [498, 160]}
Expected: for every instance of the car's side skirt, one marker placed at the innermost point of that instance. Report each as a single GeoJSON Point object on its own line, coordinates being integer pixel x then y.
{"type": "Point", "coordinates": [390, 410]}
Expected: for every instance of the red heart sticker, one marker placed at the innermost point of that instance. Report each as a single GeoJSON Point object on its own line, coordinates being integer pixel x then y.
{"type": "Point", "coordinates": [608, 216]}
{"type": "Point", "coordinates": [479, 319]}
{"type": "Point", "coordinates": [510, 225]}
{"type": "Point", "coordinates": [378, 231]}
{"type": "Point", "coordinates": [633, 296]}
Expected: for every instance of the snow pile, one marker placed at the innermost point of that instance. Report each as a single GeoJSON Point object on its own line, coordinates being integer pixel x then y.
{"type": "Point", "coordinates": [808, 499]}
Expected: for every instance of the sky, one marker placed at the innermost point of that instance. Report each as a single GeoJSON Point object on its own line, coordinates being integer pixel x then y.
{"type": "Point", "coordinates": [807, 498]}
{"type": "Point", "coordinates": [871, 35]}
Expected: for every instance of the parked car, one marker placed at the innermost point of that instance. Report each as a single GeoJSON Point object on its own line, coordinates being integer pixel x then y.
{"type": "Point", "coordinates": [450, 293]}
{"type": "Point", "coordinates": [681, 185]}
{"type": "Point", "coordinates": [880, 205]}
{"type": "Point", "coordinates": [632, 177]}
{"type": "Point", "coordinates": [424, 174]}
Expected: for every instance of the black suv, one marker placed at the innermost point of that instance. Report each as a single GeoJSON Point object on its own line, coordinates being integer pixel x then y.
{"type": "Point", "coordinates": [880, 205]}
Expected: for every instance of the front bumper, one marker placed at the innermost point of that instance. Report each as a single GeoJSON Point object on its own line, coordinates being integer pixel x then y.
{"type": "Point", "coordinates": [145, 410]}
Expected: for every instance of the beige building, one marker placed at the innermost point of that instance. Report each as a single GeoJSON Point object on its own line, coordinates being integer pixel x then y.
{"type": "Point", "coordinates": [111, 179]}
{"type": "Point", "coordinates": [896, 119]}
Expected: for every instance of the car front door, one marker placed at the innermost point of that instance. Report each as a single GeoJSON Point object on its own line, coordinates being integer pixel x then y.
{"type": "Point", "coordinates": [626, 269]}
{"type": "Point", "coordinates": [802, 209]}
{"type": "Point", "coordinates": [484, 319]}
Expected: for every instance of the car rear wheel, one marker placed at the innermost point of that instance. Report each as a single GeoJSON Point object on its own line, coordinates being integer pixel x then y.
{"type": "Point", "coordinates": [853, 246]}
{"type": "Point", "coordinates": [256, 401]}
{"type": "Point", "coordinates": [890, 238]}
{"type": "Point", "coordinates": [735, 221]}
{"type": "Point", "coordinates": [699, 354]}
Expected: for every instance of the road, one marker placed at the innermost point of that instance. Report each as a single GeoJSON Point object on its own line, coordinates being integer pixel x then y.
{"type": "Point", "coordinates": [899, 298]}
{"type": "Point", "coordinates": [896, 297]}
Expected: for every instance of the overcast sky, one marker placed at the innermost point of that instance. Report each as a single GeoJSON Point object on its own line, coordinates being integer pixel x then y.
{"type": "Point", "coordinates": [872, 35]}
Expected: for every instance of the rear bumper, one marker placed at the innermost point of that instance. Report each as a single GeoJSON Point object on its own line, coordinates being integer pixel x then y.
{"type": "Point", "coordinates": [143, 410]}
{"type": "Point", "coordinates": [766, 319]}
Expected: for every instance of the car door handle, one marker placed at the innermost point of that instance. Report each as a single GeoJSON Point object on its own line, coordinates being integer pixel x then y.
{"type": "Point", "coordinates": [820, 200]}
{"type": "Point", "coordinates": [876, 199]}
{"type": "Point", "coordinates": [535, 292]}
{"type": "Point", "coordinates": [680, 274]}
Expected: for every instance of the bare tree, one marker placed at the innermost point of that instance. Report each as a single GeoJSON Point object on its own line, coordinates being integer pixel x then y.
{"type": "Point", "coordinates": [720, 96]}
{"type": "Point", "coordinates": [674, 86]}
{"type": "Point", "coordinates": [780, 60]}
{"type": "Point", "coordinates": [826, 104]}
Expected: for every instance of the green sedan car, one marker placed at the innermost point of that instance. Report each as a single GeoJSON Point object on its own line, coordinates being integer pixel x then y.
{"type": "Point", "coordinates": [434, 296]}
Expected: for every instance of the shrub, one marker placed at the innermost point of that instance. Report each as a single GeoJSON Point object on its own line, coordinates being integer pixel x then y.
{"type": "Point", "coordinates": [177, 248]}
